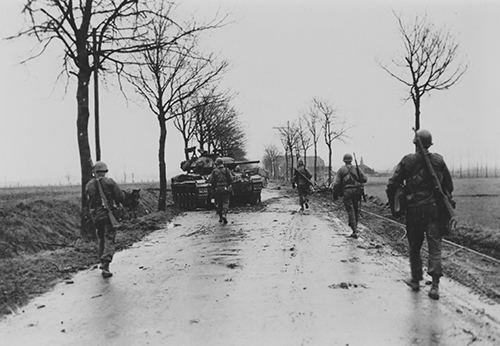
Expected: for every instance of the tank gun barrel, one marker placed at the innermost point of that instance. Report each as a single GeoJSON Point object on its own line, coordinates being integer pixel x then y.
{"type": "Point", "coordinates": [237, 163]}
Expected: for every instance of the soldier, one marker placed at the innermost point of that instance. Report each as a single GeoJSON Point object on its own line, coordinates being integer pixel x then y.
{"type": "Point", "coordinates": [221, 179]}
{"type": "Point", "coordinates": [423, 216]}
{"type": "Point", "coordinates": [102, 192]}
{"type": "Point", "coordinates": [302, 179]}
{"type": "Point", "coordinates": [349, 184]}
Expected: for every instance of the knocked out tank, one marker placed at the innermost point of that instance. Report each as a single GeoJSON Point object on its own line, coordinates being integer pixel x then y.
{"type": "Point", "coordinates": [191, 189]}
{"type": "Point", "coordinates": [247, 184]}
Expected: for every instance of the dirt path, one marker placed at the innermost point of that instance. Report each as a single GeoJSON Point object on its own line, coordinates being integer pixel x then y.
{"type": "Point", "coordinates": [270, 277]}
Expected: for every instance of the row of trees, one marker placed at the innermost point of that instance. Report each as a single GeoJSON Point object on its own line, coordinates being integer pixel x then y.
{"type": "Point", "coordinates": [140, 42]}
{"type": "Point", "coordinates": [297, 137]}
{"type": "Point", "coordinates": [428, 63]}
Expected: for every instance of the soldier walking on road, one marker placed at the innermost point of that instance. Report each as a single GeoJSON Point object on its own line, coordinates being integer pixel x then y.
{"type": "Point", "coordinates": [349, 184]}
{"type": "Point", "coordinates": [103, 194]}
{"type": "Point", "coordinates": [221, 179]}
{"type": "Point", "coordinates": [302, 179]}
{"type": "Point", "coordinates": [424, 217]}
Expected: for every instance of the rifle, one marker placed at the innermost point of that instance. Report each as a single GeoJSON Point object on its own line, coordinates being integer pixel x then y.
{"type": "Point", "coordinates": [359, 177]}
{"type": "Point", "coordinates": [105, 204]}
{"type": "Point", "coordinates": [442, 197]}
{"type": "Point", "coordinates": [306, 178]}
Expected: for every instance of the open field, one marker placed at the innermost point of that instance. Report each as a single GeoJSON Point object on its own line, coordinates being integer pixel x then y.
{"type": "Point", "coordinates": [478, 199]}
{"type": "Point", "coordinates": [478, 211]}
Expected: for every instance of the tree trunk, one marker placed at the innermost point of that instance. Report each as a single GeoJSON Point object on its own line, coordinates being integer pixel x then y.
{"type": "Point", "coordinates": [286, 166]}
{"type": "Point", "coordinates": [329, 165]}
{"type": "Point", "coordinates": [186, 145]}
{"type": "Point", "coordinates": [162, 199]}
{"type": "Point", "coordinates": [416, 102]}
{"type": "Point", "coordinates": [291, 163]}
{"type": "Point", "coordinates": [82, 97]}
{"type": "Point", "coordinates": [315, 161]}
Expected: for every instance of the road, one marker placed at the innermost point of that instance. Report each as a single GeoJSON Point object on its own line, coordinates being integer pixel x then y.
{"type": "Point", "coordinates": [272, 276]}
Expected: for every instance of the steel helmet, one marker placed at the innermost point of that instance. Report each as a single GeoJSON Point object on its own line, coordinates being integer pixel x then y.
{"type": "Point", "coordinates": [300, 163]}
{"type": "Point", "coordinates": [425, 137]}
{"type": "Point", "coordinates": [100, 167]}
{"type": "Point", "coordinates": [347, 158]}
{"type": "Point", "coordinates": [219, 162]}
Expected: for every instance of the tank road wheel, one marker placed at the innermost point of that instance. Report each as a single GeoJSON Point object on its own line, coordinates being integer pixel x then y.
{"type": "Point", "coordinates": [255, 199]}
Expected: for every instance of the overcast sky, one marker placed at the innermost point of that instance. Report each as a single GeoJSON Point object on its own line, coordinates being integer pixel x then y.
{"type": "Point", "coordinates": [281, 55]}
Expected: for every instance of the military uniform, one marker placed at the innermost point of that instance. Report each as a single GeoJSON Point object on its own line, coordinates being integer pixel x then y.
{"type": "Point", "coordinates": [303, 184]}
{"type": "Point", "coordinates": [105, 231]}
{"type": "Point", "coordinates": [423, 215]}
{"type": "Point", "coordinates": [349, 184]}
{"type": "Point", "coordinates": [221, 179]}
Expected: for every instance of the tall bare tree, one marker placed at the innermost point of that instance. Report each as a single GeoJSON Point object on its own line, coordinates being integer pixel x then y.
{"type": "Point", "coordinates": [271, 156]}
{"type": "Point", "coordinates": [429, 61]}
{"type": "Point", "coordinates": [120, 26]}
{"type": "Point", "coordinates": [185, 121]}
{"type": "Point", "coordinates": [333, 129]}
{"type": "Point", "coordinates": [167, 74]}
{"type": "Point", "coordinates": [304, 140]}
{"type": "Point", "coordinates": [290, 139]}
{"type": "Point", "coordinates": [312, 121]}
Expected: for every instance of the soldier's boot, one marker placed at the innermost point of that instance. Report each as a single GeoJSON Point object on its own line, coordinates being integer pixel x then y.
{"type": "Point", "coordinates": [307, 204]}
{"type": "Point", "coordinates": [354, 233]}
{"type": "Point", "coordinates": [434, 291]}
{"type": "Point", "coordinates": [105, 270]}
{"type": "Point", "coordinates": [414, 284]}
{"type": "Point", "coordinates": [224, 218]}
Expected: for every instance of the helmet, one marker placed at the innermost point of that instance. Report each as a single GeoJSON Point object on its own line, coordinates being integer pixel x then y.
{"type": "Point", "coordinates": [100, 167]}
{"type": "Point", "coordinates": [347, 158]}
{"type": "Point", "coordinates": [219, 162]}
{"type": "Point", "coordinates": [425, 137]}
{"type": "Point", "coordinates": [300, 163]}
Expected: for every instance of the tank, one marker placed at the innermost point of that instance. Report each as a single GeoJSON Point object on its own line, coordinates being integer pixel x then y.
{"type": "Point", "coordinates": [247, 183]}
{"type": "Point", "coordinates": [191, 190]}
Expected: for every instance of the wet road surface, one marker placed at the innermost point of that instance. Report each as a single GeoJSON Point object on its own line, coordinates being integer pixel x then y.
{"type": "Point", "coordinates": [269, 277]}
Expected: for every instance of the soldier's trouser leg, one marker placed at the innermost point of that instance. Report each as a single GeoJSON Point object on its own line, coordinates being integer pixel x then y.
{"type": "Point", "coordinates": [351, 207]}
{"type": "Point", "coordinates": [218, 203]}
{"type": "Point", "coordinates": [434, 267]}
{"type": "Point", "coordinates": [225, 204]}
{"type": "Point", "coordinates": [106, 237]}
{"type": "Point", "coordinates": [419, 221]}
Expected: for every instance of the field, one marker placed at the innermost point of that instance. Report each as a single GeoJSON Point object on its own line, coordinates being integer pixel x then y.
{"type": "Point", "coordinates": [478, 200]}
{"type": "Point", "coordinates": [35, 219]}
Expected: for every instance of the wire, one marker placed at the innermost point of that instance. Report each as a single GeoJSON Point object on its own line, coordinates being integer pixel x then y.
{"type": "Point", "coordinates": [444, 240]}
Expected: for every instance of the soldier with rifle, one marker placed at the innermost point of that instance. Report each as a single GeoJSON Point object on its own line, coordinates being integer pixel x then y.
{"type": "Point", "coordinates": [221, 180]}
{"type": "Point", "coordinates": [302, 180]}
{"type": "Point", "coordinates": [426, 183]}
{"type": "Point", "coordinates": [104, 195]}
{"type": "Point", "coordinates": [349, 184]}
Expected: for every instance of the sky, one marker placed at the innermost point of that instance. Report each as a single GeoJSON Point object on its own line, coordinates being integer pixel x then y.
{"type": "Point", "coordinates": [281, 55]}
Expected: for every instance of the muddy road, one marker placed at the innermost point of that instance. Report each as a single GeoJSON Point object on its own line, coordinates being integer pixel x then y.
{"type": "Point", "coordinates": [272, 276]}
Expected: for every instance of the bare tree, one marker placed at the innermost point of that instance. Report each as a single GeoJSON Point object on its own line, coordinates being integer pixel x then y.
{"type": "Point", "coordinates": [185, 121]}
{"type": "Point", "coordinates": [333, 129]}
{"type": "Point", "coordinates": [312, 121]}
{"type": "Point", "coordinates": [166, 75]}
{"type": "Point", "coordinates": [428, 61]}
{"type": "Point", "coordinates": [290, 138]}
{"type": "Point", "coordinates": [217, 127]}
{"type": "Point", "coordinates": [119, 27]}
{"type": "Point", "coordinates": [304, 140]}
{"type": "Point", "coordinates": [271, 156]}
